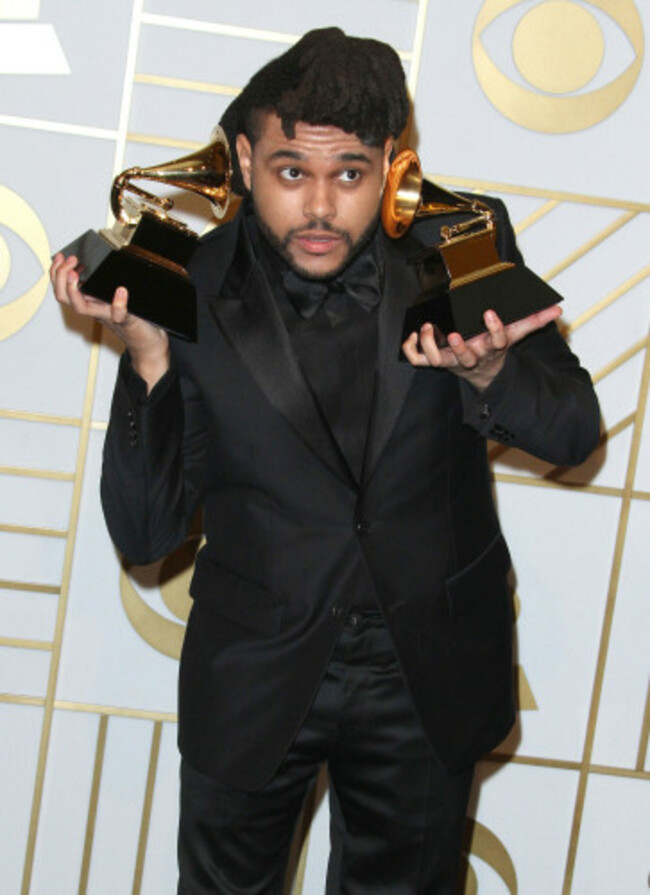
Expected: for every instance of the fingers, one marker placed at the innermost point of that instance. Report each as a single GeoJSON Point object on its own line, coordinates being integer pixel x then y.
{"type": "Point", "coordinates": [496, 329]}
{"type": "Point", "coordinates": [64, 275]}
{"type": "Point", "coordinates": [421, 349]}
{"type": "Point", "coordinates": [523, 327]}
{"type": "Point", "coordinates": [60, 273]}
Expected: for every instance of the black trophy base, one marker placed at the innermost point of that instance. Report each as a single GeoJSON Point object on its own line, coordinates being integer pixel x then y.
{"type": "Point", "coordinates": [513, 293]}
{"type": "Point", "coordinates": [156, 293]}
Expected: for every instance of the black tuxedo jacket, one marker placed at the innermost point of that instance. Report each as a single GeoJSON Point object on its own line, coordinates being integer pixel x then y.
{"type": "Point", "coordinates": [291, 536]}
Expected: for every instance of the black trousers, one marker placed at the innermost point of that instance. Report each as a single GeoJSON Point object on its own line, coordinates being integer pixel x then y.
{"type": "Point", "coordinates": [397, 815]}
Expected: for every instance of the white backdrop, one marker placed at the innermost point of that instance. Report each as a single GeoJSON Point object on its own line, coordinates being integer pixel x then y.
{"type": "Point", "coordinates": [543, 102]}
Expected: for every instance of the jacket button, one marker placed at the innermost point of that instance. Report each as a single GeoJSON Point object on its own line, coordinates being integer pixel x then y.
{"type": "Point", "coordinates": [363, 527]}
{"type": "Point", "coordinates": [337, 611]}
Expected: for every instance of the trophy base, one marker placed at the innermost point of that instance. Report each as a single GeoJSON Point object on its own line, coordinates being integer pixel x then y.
{"type": "Point", "coordinates": [157, 293]}
{"type": "Point", "coordinates": [513, 293]}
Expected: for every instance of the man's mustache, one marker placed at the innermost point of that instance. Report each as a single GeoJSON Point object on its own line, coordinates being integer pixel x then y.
{"type": "Point", "coordinates": [321, 225]}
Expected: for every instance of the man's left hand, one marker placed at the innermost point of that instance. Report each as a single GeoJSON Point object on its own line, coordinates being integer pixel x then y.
{"type": "Point", "coordinates": [479, 359]}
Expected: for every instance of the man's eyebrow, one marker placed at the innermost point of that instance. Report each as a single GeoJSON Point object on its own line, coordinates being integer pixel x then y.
{"type": "Point", "coordinates": [355, 157]}
{"type": "Point", "coordinates": [295, 156]}
{"type": "Point", "coordinates": [291, 154]}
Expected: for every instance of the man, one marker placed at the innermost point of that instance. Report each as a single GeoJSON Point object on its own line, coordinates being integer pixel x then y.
{"type": "Point", "coordinates": [351, 604]}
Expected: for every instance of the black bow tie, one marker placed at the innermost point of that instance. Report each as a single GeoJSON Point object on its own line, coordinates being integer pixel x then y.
{"type": "Point", "coordinates": [360, 281]}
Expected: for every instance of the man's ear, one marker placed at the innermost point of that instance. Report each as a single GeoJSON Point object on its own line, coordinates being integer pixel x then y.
{"type": "Point", "coordinates": [245, 156]}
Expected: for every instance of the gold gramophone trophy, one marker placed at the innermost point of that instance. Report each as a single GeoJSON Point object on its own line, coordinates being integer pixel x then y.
{"type": "Point", "coordinates": [146, 250]}
{"type": "Point", "coordinates": [461, 276]}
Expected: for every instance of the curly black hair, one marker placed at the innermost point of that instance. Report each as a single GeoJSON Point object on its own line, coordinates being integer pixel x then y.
{"type": "Point", "coordinates": [355, 84]}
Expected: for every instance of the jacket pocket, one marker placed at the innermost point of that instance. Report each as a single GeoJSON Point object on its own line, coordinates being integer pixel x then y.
{"type": "Point", "coordinates": [478, 597]}
{"type": "Point", "coordinates": [217, 589]}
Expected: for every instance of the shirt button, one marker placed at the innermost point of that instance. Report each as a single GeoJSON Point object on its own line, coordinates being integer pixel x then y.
{"type": "Point", "coordinates": [337, 611]}
{"type": "Point", "coordinates": [363, 528]}
{"type": "Point", "coordinates": [483, 411]}
{"type": "Point", "coordinates": [353, 619]}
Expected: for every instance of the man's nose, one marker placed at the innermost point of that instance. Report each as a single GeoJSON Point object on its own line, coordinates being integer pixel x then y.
{"type": "Point", "coordinates": [320, 201]}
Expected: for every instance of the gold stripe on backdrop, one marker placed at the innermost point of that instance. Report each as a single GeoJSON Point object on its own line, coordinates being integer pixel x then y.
{"type": "Point", "coordinates": [100, 751]}
{"type": "Point", "coordinates": [182, 84]}
{"type": "Point", "coordinates": [37, 473]}
{"type": "Point", "coordinates": [535, 216]}
{"type": "Point", "coordinates": [20, 643]}
{"type": "Point", "coordinates": [30, 586]}
{"type": "Point", "coordinates": [60, 619]}
{"type": "Point", "coordinates": [608, 300]}
{"type": "Point", "coordinates": [589, 245]}
{"type": "Point", "coordinates": [607, 623]}
{"type": "Point", "coordinates": [645, 735]}
{"type": "Point", "coordinates": [146, 808]}
{"type": "Point", "coordinates": [33, 530]}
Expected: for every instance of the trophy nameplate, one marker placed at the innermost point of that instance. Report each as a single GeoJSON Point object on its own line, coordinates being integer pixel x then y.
{"type": "Point", "coordinates": [146, 250]}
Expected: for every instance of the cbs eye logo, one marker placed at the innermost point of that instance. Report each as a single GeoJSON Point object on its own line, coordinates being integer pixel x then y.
{"type": "Point", "coordinates": [558, 66]}
{"type": "Point", "coordinates": [22, 222]}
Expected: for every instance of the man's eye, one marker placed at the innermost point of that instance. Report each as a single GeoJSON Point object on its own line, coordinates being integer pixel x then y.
{"type": "Point", "coordinates": [350, 176]}
{"type": "Point", "coordinates": [290, 173]}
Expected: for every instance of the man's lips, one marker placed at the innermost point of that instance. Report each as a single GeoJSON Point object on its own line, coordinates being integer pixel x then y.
{"type": "Point", "coordinates": [317, 243]}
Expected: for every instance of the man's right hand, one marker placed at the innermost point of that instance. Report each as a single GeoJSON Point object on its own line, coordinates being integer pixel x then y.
{"type": "Point", "coordinates": [147, 344]}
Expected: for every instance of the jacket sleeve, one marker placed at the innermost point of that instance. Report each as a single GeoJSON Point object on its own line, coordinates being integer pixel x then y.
{"type": "Point", "coordinates": [542, 401]}
{"type": "Point", "coordinates": [153, 464]}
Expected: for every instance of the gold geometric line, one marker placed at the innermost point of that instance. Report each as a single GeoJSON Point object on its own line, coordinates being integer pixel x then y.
{"type": "Point", "coordinates": [18, 643]}
{"type": "Point", "coordinates": [563, 765]}
{"type": "Point", "coordinates": [515, 479]}
{"type": "Point", "coordinates": [608, 300]}
{"type": "Point", "coordinates": [607, 771]}
{"type": "Point", "coordinates": [619, 427]}
{"type": "Point", "coordinates": [146, 809]}
{"type": "Point", "coordinates": [24, 416]}
{"type": "Point", "coordinates": [536, 216]}
{"type": "Point", "coordinates": [418, 43]}
{"type": "Point", "coordinates": [641, 495]}
{"type": "Point", "coordinates": [126, 98]}
{"type": "Point", "coordinates": [57, 127]}
{"type": "Point", "coordinates": [608, 620]}
{"type": "Point", "coordinates": [619, 361]}
{"type": "Point", "coordinates": [262, 34]}
{"type": "Point", "coordinates": [46, 728]}
{"type": "Point", "coordinates": [165, 21]}
{"type": "Point", "coordinates": [115, 711]}
{"type": "Point", "coordinates": [29, 586]}
{"type": "Point", "coordinates": [472, 183]}
{"type": "Point", "coordinates": [11, 699]}
{"type": "Point", "coordinates": [99, 426]}
{"type": "Point", "coordinates": [37, 473]}
{"type": "Point", "coordinates": [645, 735]}
{"type": "Point", "coordinates": [183, 84]}
{"type": "Point", "coordinates": [590, 244]}
{"type": "Point", "coordinates": [100, 750]}
{"type": "Point", "coordinates": [168, 142]}
{"type": "Point", "coordinates": [532, 761]}
{"type": "Point", "coordinates": [33, 530]}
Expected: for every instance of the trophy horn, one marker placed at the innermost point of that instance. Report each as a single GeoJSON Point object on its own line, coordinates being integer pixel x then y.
{"type": "Point", "coordinates": [408, 196]}
{"type": "Point", "coordinates": [206, 172]}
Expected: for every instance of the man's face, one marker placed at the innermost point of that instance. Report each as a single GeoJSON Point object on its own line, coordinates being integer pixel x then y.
{"type": "Point", "coordinates": [316, 196]}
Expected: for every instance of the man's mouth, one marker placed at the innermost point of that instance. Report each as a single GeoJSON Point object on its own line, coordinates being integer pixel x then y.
{"type": "Point", "coordinates": [315, 243]}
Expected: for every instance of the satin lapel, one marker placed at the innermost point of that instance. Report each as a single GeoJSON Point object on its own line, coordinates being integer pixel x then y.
{"type": "Point", "coordinates": [246, 313]}
{"type": "Point", "coordinates": [394, 377]}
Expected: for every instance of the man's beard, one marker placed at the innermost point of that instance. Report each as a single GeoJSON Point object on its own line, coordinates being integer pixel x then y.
{"type": "Point", "coordinates": [281, 245]}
